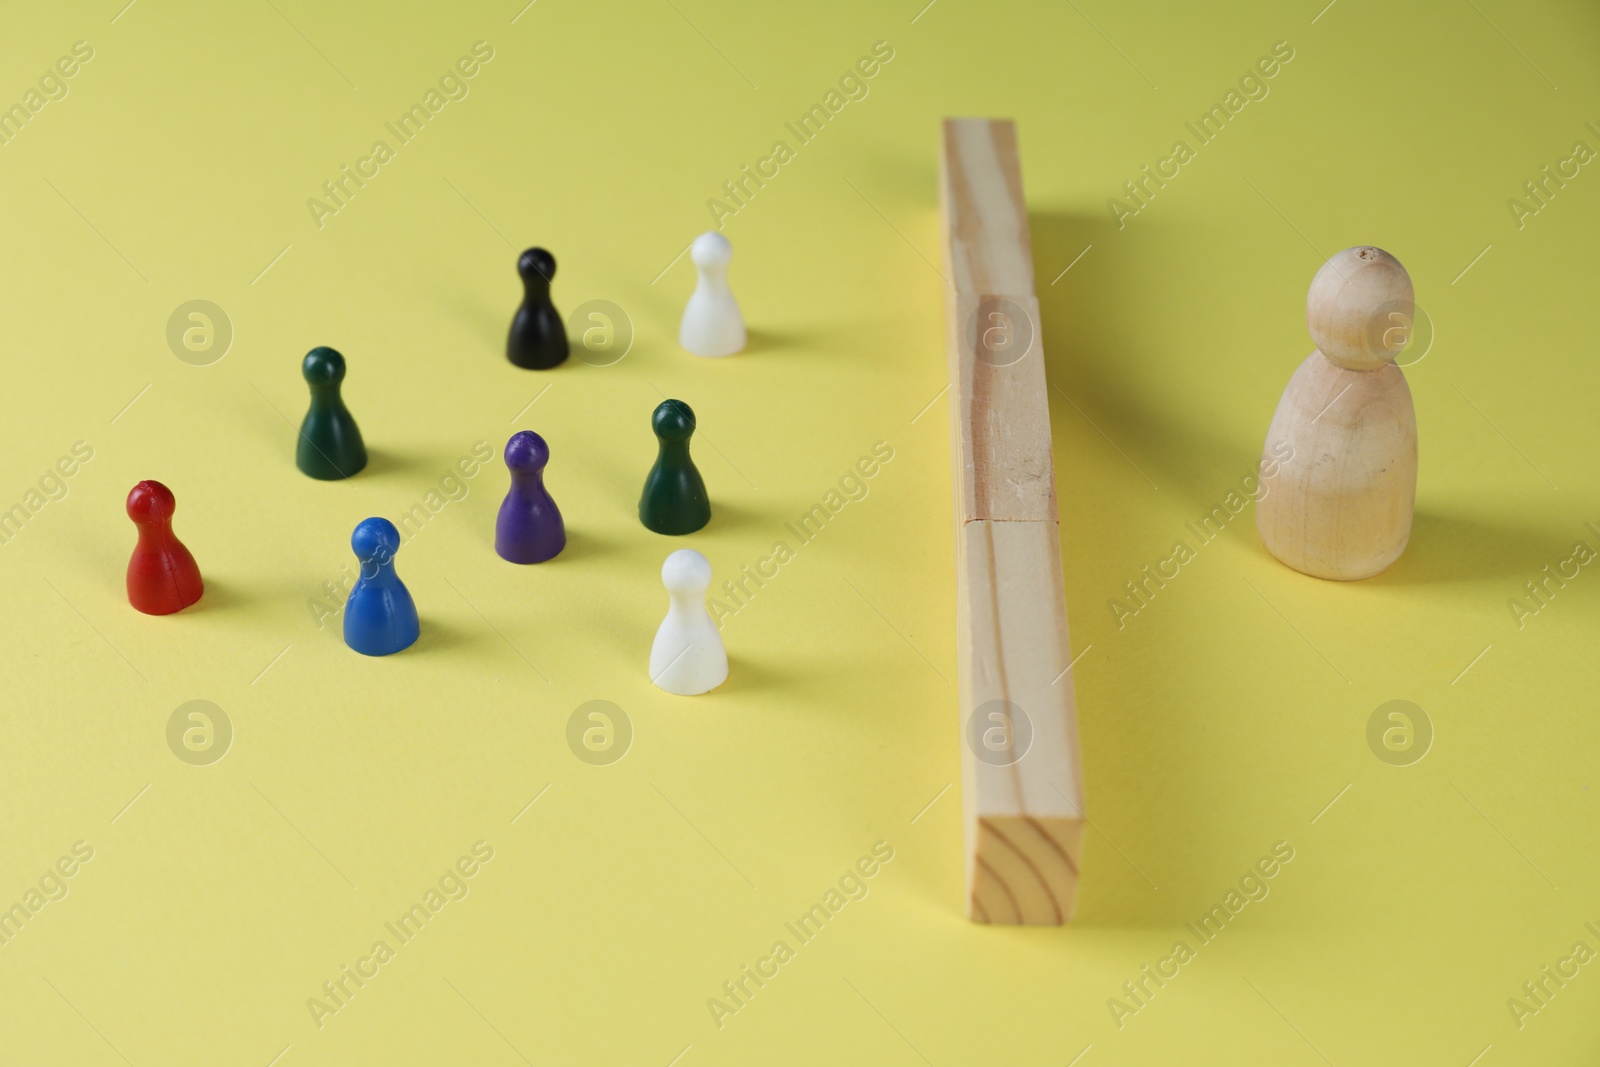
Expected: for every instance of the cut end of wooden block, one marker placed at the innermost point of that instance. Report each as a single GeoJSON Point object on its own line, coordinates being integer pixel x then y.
{"type": "Point", "coordinates": [1024, 870]}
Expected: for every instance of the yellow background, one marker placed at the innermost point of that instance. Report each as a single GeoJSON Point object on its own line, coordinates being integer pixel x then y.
{"type": "Point", "coordinates": [1223, 718]}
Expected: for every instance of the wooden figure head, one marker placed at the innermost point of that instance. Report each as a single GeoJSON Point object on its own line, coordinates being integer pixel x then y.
{"type": "Point", "coordinates": [1360, 308]}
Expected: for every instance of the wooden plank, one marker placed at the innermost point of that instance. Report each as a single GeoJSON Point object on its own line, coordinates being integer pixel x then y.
{"type": "Point", "coordinates": [1022, 790]}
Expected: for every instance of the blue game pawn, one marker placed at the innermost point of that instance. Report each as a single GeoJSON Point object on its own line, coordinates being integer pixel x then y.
{"type": "Point", "coordinates": [529, 529]}
{"type": "Point", "coordinates": [380, 617]}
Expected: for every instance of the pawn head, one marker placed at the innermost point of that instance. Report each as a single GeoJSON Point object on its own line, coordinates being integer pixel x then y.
{"type": "Point", "coordinates": [150, 502]}
{"type": "Point", "coordinates": [673, 420]}
{"type": "Point", "coordinates": [526, 452]}
{"type": "Point", "coordinates": [375, 539]}
{"type": "Point", "coordinates": [686, 571]}
{"type": "Point", "coordinates": [536, 263]}
{"type": "Point", "coordinates": [712, 250]}
{"type": "Point", "coordinates": [323, 366]}
{"type": "Point", "coordinates": [1360, 308]}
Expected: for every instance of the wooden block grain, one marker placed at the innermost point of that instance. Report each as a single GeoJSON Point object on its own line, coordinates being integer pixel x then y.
{"type": "Point", "coordinates": [1004, 464]}
{"type": "Point", "coordinates": [1022, 791]}
{"type": "Point", "coordinates": [987, 246]}
{"type": "Point", "coordinates": [1021, 788]}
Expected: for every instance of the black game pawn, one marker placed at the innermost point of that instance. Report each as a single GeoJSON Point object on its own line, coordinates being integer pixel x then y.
{"type": "Point", "coordinates": [538, 338]}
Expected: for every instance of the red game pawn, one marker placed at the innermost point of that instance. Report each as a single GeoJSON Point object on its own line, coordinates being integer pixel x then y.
{"type": "Point", "coordinates": [162, 576]}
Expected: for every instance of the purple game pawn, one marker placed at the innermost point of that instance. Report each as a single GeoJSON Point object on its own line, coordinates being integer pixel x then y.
{"type": "Point", "coordinates": [529, 529]}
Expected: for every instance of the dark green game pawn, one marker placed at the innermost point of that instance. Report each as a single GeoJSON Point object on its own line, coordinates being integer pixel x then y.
{"type": "Point", "coordinates": [330, 444]}
{"type": "Point", "coordinates": [674, 500]}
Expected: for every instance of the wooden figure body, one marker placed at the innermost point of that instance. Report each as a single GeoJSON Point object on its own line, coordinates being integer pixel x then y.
{"type": "Point", "coordinates": [1344, 437]}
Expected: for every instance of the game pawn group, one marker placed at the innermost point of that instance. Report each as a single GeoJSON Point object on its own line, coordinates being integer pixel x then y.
{"type": "Point", "coordinates": [380, 616]}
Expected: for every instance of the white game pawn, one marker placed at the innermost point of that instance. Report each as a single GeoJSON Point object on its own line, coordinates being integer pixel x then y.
{"type": "Point", "coordinates": [712, 325]}
{"type": "Point", "coordinates": [687, 658]}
